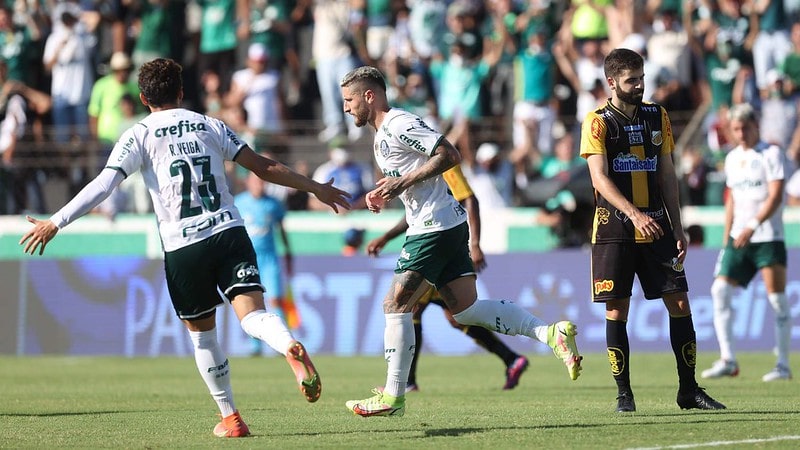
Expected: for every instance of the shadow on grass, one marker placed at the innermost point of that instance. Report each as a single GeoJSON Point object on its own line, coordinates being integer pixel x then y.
{"type": "Point", "coordinates": [77, 413]}
{"type": "Point", "coordinates": [636, 420]}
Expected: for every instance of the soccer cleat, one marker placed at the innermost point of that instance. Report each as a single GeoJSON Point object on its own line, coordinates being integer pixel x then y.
{"type": "Point", "coordinates": [561, 338]}
{"type": "Point", "coordinates": [232, 426]}
{"type": "Point", "coordinates": [514, 371]}
{"type": "Point", "coordinates": [625, 402]}
{"type": "Point", "coordinates": [307, 376]}
{"type": "Point", "coordinates": [780, 372]}
{"type": "Point", "coordinates": [379, 404]}
{"type": "Point", "coordinates": [697, 399]}
{"type": "Point", "coordinates": [721, 368]}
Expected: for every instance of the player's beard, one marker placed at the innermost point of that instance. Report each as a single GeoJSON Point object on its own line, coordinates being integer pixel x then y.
{"type": "Point", "coordinates": [361, 118]}
{"type": "Point", "coordinates": [632, 98]}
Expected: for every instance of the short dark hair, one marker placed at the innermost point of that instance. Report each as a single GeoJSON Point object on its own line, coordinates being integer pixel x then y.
{"type": "Point", "coordinates": [160, 81]}
{"type": "Point", "coordinates": [620, 60]}
{"type": "Point", "coordinates": [362, 78]}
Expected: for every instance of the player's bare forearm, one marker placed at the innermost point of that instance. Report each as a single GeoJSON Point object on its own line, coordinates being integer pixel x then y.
{"type": "Point", "coordinates": [669, 191]}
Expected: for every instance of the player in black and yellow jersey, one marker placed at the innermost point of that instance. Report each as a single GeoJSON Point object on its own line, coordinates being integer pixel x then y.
{"type": "Point", "coordinates": [637, 228]}
{"type": "Point", "coordinates": [514, 362]}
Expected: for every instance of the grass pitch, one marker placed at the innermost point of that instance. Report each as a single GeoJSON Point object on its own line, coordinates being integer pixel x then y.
{"type": "Point", "coordinates": [108, 402]}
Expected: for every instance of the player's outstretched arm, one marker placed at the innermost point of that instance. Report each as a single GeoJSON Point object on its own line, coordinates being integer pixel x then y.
{"type": "Point", "coordinates": [43, 231]}
{"type": "Point", "coordinates": [87, 199]}
{"type": "Point", "coordinates": [275, 172]}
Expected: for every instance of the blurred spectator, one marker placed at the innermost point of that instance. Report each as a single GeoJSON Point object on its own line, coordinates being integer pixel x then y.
{"type": "Point", "coordinates": [212, 96]}
{"type": "Point", "coordinates": [458, 99]}
{"type": "Point", "coordinates": [534, 112]}
{"type": "Point", "coordinates": [427, 26]}
{"type": "Point", "coordinates": [586, 19]}
{"type": "Point", "coordinates": [18, 174]}
{"type": "Point", "coordinates": [105, 119]}
{"type": "Point", "coordinates": [136, 196]}
{"type": "Point", "coordinates": [105, 115]}
{"type": "Point", "coordinates": [271, 25]}
{"type": "Point", "coordinates": [334, 52]}
{"type": "Point", "coordinates": [379, 25]}
{"type": "Point", "coordinates": [725, 51]}
{"type": "Point", "coordinates": [353, 241]}
{"type": "Point", "coordinates": [415, 97]}
{"type": "Point", "coordinates": [790, 66]}
{"type": "Point", "coordinates": [668, 49]}
{"type": "Point", "coordinates": [772, 42]}
{"type": "Point", "coordinates": [223, 25]}
{"type": "Point", "coordinates": [68, 57]}
{"type": "Point", "coordinates": [694, 171]}
{"type": "Point", "coordinates": [256, 88]}
{"type": "Point", "coordinates": [152, 28]}
{"type": "Point", "coordinates": [353, 177]}
{"type": "Point", "coordinates": [491, 178]}
{"type": "Point", "coordinates": [778, 112]}
{"type": "Point", "coordinates": [400, 57]}
{"type": "Point", "coordinates": [583, 69]}
{"type": "Point", "coordinates": [696, 235]}
{"type": "Point", "coordinates": [16, 44]}
{"type": "Point", "coordinates": [462, 27]}
{"type": "Point", "coordinates": [563, 191]}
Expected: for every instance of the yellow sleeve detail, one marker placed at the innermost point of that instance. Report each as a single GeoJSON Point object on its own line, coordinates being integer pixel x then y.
{"type": "Point", "coordinates": [593, 135]}
{"type": "Point", "coordinates": [458, 183]}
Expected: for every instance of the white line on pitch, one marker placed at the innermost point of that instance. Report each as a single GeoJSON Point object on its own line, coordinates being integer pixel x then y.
{"type": "Point", "coordinates": [721, 443]}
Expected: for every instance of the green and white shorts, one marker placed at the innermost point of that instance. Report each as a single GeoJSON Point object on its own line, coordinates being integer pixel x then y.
{"type": "Point", "coordinates": [440, 257]}
{"type": "Point", "coordinates": [197, 273]}
{"type": "Point", "coordinates": [742, 264]}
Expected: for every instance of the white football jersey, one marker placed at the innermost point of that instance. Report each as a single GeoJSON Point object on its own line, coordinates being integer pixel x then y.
{"type": "Point", "coordinates": [402, 144]}
{"type": "Point", "coordinates": [748, 173]}
{"type": "Point", "coordinates": [181, 156]}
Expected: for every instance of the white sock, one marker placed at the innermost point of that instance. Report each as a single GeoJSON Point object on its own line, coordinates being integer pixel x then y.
{"type": "Point", "coordinates": [503, 317]}
{"type": "Point", "coordinates": [783, 326]}
{"type": "Point", "coordinates": [270, 328]}
{"type": "Point", "coordinates": [213, 367]}
{"type": "Point", "coordinates": [721, 295]}
{"type": "Point", "coordinates": [399, 346]}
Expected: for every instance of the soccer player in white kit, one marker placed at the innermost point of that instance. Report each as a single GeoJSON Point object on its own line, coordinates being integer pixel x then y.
{"type": "Point", "coordinates": [412, 157]}
{"type": "Point", "coordinates": [754, 240]}
{"type": "Point", "coordinates": [181, 155]}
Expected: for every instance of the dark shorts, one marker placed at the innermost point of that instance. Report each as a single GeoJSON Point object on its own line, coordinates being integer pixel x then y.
{"type": "Point", "coordinates": [440, 257]}
{"type": "Point", "coordinates": [655, 264]}
{"type": "Point", "coordinates": [197, 273]}
{"type": "Point", "coordinates": [742, 264]}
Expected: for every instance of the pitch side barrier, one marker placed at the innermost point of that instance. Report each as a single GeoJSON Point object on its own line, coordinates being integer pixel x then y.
{"type": "Point", "coordinates": [119, 305]}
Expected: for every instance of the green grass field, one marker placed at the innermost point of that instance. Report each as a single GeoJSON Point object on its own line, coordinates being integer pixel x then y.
{"type": "Point", "coordinates": [88, 402]}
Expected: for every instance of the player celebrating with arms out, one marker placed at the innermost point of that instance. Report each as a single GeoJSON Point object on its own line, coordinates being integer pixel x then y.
{"type": "Point", "coordinates": [637, 224]}
{"type": "Point", "coordinates": [412, 158]}
{"type": "Point", "coordinates": [181, 155]}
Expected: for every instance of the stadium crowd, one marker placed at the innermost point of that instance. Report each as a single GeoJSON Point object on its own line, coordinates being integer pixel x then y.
{"type": "Point", "coordinates": [513, 78]}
